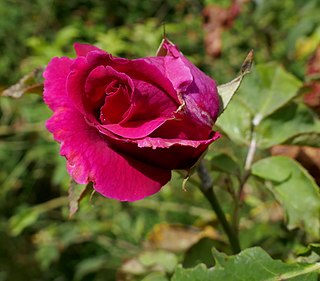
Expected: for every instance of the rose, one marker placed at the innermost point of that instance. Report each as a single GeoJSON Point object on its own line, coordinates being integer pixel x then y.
{"type": "Point", "coordinates": [125, 124]}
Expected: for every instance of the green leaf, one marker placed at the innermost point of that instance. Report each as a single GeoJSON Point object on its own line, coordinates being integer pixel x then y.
{"type": "Point", "coordinates": [262, 109]}
{"type": "Point", "coordinates": [236, 121]}
{"type": "Point", "coordinates": [163, 259]}
{"type": "Point", "coordinates": [252, 264]}
{"type": "Point", "coordinates": [155, 276]}
{"type": "Point", "coordinates": [27, 216]}
{"type": "Point", "coordinates": [227, 91]}
{"type": "Point", "coordinates": [200, 252]}
{"type": "Point", "coordinates": [307, 139]}
{"type": "Point", "coordinates": [286, 123]}
{"type": "Point", "coordinates": [268, 88]}
{"type": "Point", "coordinates": [224, 163]}
{"type": "Point", "coordinates": [90, 265]}
{"type": "Point", "coordinates": [46, 255]}
{"type": "Point", "coordinates": [295, 189]}
{"type": "Point", "coordinates": [198, 273]}
{"type": "Point", "coordinates": [23, 219]}
{"type": "Point", "coordinates": [313, 247]}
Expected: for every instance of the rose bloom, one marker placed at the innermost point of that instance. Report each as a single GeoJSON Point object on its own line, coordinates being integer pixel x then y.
{"type": "Point", "coordinates": [126, 124]}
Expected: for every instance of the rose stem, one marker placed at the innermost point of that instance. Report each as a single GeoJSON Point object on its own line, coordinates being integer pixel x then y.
{"type": "Point", "coordinates": [206, 187]}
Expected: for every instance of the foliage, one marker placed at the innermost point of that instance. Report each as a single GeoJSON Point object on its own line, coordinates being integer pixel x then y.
{"type": "Point", "coordinates": [271, 202]}
{"type": "Point", "coordinates": [251, 264]}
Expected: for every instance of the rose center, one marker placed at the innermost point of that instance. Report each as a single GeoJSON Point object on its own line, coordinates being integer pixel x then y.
{"type": "Point", "coordinates": [116, 103]}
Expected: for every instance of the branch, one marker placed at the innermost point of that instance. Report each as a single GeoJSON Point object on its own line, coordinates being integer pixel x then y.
{"type": "Point", "coordinates": [206, 187]}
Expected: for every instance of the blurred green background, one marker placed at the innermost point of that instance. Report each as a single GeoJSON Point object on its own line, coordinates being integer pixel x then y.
{"type": "Point", "coordinates": [109, 240]}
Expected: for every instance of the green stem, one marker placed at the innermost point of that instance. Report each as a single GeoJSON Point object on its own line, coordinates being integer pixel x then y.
{"type": "Point", "coordinates": [206, 188]}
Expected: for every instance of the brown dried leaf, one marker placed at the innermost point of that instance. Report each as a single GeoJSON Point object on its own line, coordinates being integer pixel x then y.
{"type": "Point", "coordinates": [76, 194]}
{"type": "Point", "coordinates": [216, 20]}
{"type": "Point", "coordinates": [312, 96]}
{"type": "Point", "coordinates": [177, 238]}
{"type": "Point", "coordinates": [30, 83]}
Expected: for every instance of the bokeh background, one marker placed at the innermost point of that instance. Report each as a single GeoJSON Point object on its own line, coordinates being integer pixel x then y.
{"type": "Point", "coordinates": [106, 239]}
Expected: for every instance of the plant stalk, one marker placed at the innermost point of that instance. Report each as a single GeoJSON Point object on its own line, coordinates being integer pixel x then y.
{"type": "Point", "coordinates": [206, 188]}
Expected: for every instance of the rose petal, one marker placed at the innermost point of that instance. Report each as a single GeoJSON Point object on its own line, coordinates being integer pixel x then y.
{"type": "Point", "coordinates": [167, 153]}
{"type": "Point", "coordinates": [155, 143]}
{"type": "Point", "coordinates": [150, 70]}
{"type": "Point", "coordinates": [149, 110]}
{"type": "Point", "coordinates": [110, 107]}
{"type": "Point", "coordinates": [83, 49]}
{"type": "Point", "coordinates": [79, 71]}
{"type": "Point", "coordinates": [150, 102]}
{"type": "Point", "coordinates": [182, 128]}
{"type": "Point", "coordinates": [55, 82]}
{"type": "Point", "coordinates": [176, 69]}
{"type": "Point", "coordinates": [201, 96]}
{"type": "Point", "coordinates": [138, 70]}
{"type": "Point", "coordinates": [134, 129]}
{"type": "Point", "coordinates": [91, 159]}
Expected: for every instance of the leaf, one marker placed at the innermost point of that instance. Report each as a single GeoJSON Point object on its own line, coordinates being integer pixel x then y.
{"type": "Point", "coordinates": [47, 254]}
{"type": "Point", "coordinates": [295, 189]}
{"type": "Point", "coordinates": [27, 216]}
{"type": "Point", "coordinates": [201, 252]}
{"type": "Point", "coordinates": [286, 123]}
{"type": "Point", "coordinates": [225, 163]}
{"type": "Point", "coordinates": [267, 89]}
{"type": "Point", "coordinates": [161, 259]}
{"type": "Point", "coordinates": [306, 139]}
{"type": "Point", "coordinates": [23, 219]}
{"type": "Point", "coordinates": [198, 273]}
{"type": "Point", "coordinates": [313, 247]}
{"type": "Point", "coordinates": [90, 265]}
{"type": "Point", "coordinates": [252, 264]}
{"type": "Point", "coordinates": [148, 261]}
{"type": "Point", "coordinates": [262, 108]}
{"type": "Point", "coordinates": [236, 122]}
{"type": "Point", "coordinates": [155, 276]}
{"type": "Point", "coordinates": [173, 237]}
{"type": "Point", "coordinates": [30, 83]}
{"type": "Point", "coordinates": [227, 91]}
{"type": "Point", "coordinates": [76, 194]}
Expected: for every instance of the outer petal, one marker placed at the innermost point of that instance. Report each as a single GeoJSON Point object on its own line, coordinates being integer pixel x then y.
{"type": "Point", "coordinates": [83, 49]}
{"type": "Point", "coordinates": [200, 95]}
{"type": "Point", "coordinates": [174, 153]}
{"type": "Point", "coordinates": [55, 76]}
{"type": "Point", "coordinates": [182, 128]}
{"type": "Point", "coordinates": [91, 159]}
{"type": "Point", "coordinates": [75, 85]}
{"type": "Point", "coordinates": [166, 153]}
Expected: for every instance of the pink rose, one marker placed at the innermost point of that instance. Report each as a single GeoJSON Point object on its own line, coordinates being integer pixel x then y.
{"type": "Point", "coordinates": [125, 124]}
